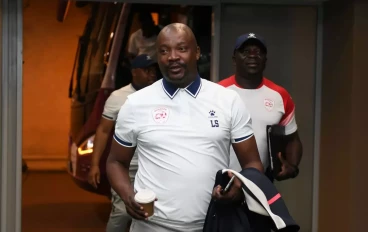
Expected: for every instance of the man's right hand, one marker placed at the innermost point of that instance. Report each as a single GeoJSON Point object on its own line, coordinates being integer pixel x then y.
{"type": "Point", "coordinates": [134, 209]}
{"type": "Point", "coordinates": [94, 176]}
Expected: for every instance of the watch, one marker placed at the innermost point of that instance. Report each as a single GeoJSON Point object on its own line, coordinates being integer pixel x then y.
{"type": "Point", "coordinates": [296, 171]}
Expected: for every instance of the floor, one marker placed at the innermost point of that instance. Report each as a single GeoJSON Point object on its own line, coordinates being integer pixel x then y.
{"type": "Point", "coordinates": [53, 203]}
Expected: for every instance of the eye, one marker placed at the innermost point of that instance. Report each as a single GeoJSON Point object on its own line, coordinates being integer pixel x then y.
{"type": "Point", "coordinates": [163, 50]}
{"type": "Point", "coordinates": [182, 49]}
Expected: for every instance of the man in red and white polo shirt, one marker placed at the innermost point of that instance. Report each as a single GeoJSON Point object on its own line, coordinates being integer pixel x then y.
{"type": "Point", "coordinates": [268, 103]}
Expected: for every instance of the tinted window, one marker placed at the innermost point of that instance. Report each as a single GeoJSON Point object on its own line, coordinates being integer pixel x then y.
{"type": "Point", "coordinates": [95, 46]}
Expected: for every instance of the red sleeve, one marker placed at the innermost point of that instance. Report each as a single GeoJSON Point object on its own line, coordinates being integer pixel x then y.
{"type": "Point", "coordinates": [228, 81]}
{"type": "Point", "coordinates": [289, 108]}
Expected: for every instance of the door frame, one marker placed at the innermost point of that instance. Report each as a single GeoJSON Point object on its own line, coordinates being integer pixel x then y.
{"type": "Point", "coordinates": [11, 115]}
{"type": "Point", "coordinates": [11, 98]}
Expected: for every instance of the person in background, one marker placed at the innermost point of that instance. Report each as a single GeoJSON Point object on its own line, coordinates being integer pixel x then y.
{"type": "Point", "coordinates": [268, 103]}
{"type": "Point", "coordinates": [143, 41]}
{"type": "Point", "coordinates": [144, 74]}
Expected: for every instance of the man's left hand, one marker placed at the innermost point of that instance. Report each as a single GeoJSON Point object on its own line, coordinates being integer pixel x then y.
{"type": "Point", "coordinates": [287, 170]}
{"type": "Point", "coordinates": [233, 195]}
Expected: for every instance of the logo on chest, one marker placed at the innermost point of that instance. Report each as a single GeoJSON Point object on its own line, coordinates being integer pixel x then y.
{"type": "Point", "coordinates": [213, 119]}
{"type": "Point", "coordinates": [268, 104]}
{"type": "Point", "coordinates": [161, 114]}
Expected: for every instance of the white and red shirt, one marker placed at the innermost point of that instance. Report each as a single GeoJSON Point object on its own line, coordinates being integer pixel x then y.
{"type": "Point", "coordinates": [269, 104]}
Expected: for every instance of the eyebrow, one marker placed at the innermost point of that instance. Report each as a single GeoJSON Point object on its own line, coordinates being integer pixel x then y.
{"type": "Point", "coordinates": [181, 43]}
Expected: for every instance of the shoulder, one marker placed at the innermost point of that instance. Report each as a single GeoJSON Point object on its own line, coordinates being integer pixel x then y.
{"type": "Point", "coordinates": [221, 93]}
{"type": "Point", "coordinates": [118, 97]}
{"type": "Point", "coordinates": [136, 34]}
{"type": "Point", "coordinates": [228, 81]}
{"type": "Point", "coordinates": [277, 88]}
{"type": "Point", "coordinates": [124, 91]}
{"type": "Point", "coordinates": [141, 96]}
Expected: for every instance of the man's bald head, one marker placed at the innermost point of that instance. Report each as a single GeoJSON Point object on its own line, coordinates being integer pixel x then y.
{"type": "Point", "coordinates": [178, 28]}
{"type": "Point", "coordinates": [177, 54]}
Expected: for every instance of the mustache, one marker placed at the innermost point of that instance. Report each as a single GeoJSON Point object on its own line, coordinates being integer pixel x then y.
{"type": "Point", "coordinates": [175, 64]}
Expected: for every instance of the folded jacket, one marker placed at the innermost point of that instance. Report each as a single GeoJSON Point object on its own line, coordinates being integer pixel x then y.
{"type": "Point", "coordinates": [263, 209]}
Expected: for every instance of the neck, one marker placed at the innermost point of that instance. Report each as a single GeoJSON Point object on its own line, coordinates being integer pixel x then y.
{"type": "Point", "coordinates": [249, 81]}
{"type": "Point", "coordinates": [185, 82]}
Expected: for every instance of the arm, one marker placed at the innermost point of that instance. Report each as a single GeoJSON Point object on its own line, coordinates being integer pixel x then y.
{"type": "Point", "coordinates": [247, 153]}
{"type": "Point", "coordinates": [118, 162]}
{"type": "Point", "coordinates": [109, 116]}
{"type": "Point", "coordinates": [117, 167]}
{"type": "Point", "coordinates": [294, 149]}
{"type": "Point", "coordinates": [110, 112]}
{"type": "Point", "coordinates": [122, 150]}
{"type": "Point", "coordinates": [242, 137]}
{"type": "Point", "coordinates": [102, 135]}
{"type": "Point", "coordinates": [293, 146]}
{"type": "Point", "coordinates": [246, 150]}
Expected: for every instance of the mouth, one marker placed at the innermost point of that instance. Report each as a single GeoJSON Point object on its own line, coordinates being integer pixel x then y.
{"type": "Point", "coordinates": [252, 65]}
{"type": "Point", "coordinates": [175, 69]}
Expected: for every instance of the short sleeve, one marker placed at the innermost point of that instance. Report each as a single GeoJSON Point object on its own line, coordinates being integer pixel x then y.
{"type": "Point", "coordinates": [241, 122]}
{"type": "Point", "coordinates": [125, 133]}
{"type": "Point", "coordinates": [112, 107]}
{"type": "Point", "coordinates": [288, 119]}
{"type": "Point", "coordinates": [132, 47]}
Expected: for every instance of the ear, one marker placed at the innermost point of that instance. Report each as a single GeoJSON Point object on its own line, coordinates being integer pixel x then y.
{"type": "Point", "coordinates": [198, 53]}
{"type": "Point", "coordinates": [233, 59]}
{"type": "Point", "coordinates": [134, 72]}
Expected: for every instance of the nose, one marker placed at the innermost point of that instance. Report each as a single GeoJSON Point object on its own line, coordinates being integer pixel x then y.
{"type": "Point", "coordinates": [173, 56]}
{"type": "Point", "coordinates": [252, 54]}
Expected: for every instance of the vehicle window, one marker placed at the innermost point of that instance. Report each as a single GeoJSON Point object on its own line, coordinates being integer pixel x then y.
{"type": "Point", "coordinates": [97, 45]}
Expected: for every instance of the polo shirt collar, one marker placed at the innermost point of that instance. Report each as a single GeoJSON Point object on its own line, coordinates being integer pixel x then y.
{"type": "Point", "coordinates": [192, 89]}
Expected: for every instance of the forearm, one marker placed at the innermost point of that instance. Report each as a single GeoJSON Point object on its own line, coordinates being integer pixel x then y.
{"type": "Point", "coordinates": [118, 175]}
{"type": "Point", "coordinates": [99, 147]}
{"type": "Point", "coordinates": [254, 164]}
{"type": "Point", "coordinates": [294, 152]}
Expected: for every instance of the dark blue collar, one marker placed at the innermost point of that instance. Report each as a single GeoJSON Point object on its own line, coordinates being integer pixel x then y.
{"type": "Point", "coordinates": [192, 89]}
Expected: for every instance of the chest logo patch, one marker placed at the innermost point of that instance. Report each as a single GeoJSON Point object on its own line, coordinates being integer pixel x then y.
{"type": "Point", "coordinates": [161, 114]}
{"type": "Point", "coordinates": [268, 104]}
{"type": "Point", "coordinates": [214, 122]}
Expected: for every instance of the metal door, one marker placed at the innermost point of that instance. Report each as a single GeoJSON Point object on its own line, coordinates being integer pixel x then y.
{"type": "Point", "coordinates": [11, 115]}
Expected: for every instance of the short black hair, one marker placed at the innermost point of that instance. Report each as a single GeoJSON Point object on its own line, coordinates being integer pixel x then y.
{"type": "Point", "coordinates": [145, 16]}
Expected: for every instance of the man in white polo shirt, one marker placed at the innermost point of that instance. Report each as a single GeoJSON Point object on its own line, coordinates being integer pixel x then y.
{"type": "Point", "coordinates": [144, 74]}
{"type": "Point", "coordinates": [268, 103]}
{"type": "Point", "coordinates": [182, 128]}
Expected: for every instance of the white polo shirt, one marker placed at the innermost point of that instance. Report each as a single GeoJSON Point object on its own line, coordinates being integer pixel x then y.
{"type": "Point", "coordinates": [269, 104]}
{"type": "Point", "coordinates": [111, 110]}
{"type": "Point", "coordinates": [138, 44]}
{"type": "Point", "coordinates": [183, 138]}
